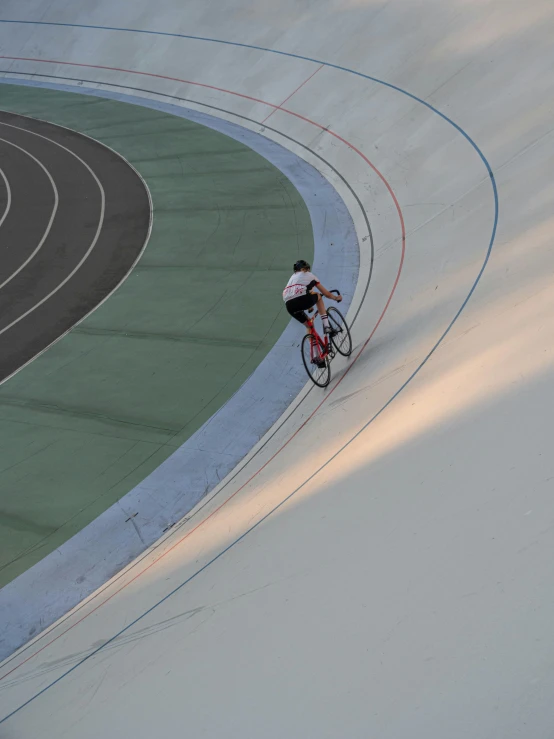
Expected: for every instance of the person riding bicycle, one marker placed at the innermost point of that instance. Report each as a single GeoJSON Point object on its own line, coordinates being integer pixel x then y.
{"type": "Point", "coordinates": [299, 296]}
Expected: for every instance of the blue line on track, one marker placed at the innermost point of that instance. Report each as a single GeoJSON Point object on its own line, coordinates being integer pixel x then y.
{"type": "Point", "coordinates": [396, 394]}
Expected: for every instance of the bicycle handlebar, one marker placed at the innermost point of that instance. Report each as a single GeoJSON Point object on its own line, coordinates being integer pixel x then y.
{"type": "Point", "coordinates": [312, 310]}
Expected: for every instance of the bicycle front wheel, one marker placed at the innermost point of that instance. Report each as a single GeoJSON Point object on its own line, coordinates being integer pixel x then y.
{"type": "Point", "coordinates": [342, 340]}
{"type": "Point", "coordinates": [318, 369]}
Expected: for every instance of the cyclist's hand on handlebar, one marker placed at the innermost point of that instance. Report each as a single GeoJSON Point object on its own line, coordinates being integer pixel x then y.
{"type": "Point", "coordinates": [338, 298]}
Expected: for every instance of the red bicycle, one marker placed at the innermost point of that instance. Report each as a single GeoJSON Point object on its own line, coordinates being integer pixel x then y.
{"type": "Point", "coordinates": [317, 352]}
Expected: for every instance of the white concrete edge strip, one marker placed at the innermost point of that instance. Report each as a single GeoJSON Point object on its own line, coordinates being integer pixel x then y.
{"type": "Point", "coordinates": [56, 584]}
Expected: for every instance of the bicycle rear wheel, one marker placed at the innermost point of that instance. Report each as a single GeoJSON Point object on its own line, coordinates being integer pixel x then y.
{"type": "Point", "coordinates": [342, 340]}
{"type": "Point", "coordinates": [319, 375]}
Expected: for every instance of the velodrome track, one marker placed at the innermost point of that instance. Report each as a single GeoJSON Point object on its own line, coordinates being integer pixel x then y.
{"type": "Point", "coordinates": [382, 566]}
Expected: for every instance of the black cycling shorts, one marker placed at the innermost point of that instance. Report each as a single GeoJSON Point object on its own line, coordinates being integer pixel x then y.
{"type": "Point", "coordinates": [297, 306]}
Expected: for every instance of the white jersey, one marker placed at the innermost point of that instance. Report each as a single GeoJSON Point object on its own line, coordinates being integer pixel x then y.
{"type": "Point", "coordinates": [298, 285]}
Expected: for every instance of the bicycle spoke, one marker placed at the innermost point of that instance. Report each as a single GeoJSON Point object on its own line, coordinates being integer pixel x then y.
{"type": "Point", "coordinates": [342, 340]}
{"type": "Point", "coordinates": [316, 366]}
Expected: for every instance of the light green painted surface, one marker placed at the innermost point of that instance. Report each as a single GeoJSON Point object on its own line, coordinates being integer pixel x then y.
{"type": "Point", "coordinates": [88, 420]}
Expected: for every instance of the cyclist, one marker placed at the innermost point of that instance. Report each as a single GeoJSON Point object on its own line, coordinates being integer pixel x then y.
{"type": "Point", "coordinates": [299, 295]}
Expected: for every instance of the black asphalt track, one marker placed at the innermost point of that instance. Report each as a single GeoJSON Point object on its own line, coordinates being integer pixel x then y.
{"type": "Point", "coordinates": [89, 241]}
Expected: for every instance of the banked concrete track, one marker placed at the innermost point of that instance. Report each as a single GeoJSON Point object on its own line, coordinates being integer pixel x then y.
{"type": "Point", "coordinates": [382, 566]}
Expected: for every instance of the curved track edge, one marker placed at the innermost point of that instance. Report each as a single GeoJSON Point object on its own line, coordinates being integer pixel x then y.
{"type": "Point", "coordinates": [52, 587]}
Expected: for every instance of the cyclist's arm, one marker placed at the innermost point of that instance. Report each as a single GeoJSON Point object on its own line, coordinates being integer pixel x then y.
{"type": "Point", "coordinates": [327, 294]}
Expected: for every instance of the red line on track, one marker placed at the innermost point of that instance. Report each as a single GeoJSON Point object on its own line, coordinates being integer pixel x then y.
{"type": "Point", "coordinates": [292, 93]}
{"type": "Point", "coordinates": [306, 421]}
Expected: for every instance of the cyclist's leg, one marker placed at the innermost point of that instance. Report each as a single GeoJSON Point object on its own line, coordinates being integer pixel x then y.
{"type": "Point", "coordinates": [323, 313]}
{"type": "Point", "coordinates": [296, 306]}
{"type": "Point", "coordinates": [311, 300]}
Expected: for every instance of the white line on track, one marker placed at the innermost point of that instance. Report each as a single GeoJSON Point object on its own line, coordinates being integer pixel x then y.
{"type": "Point", "coordinates": [50, 222]}
{"type": "Point", "coordinates": [93, 243]}
{"type": "Point", "coordinates": [131, 268]}
{"type": "Point", "coordinates": [8, 190]}
{"type": "Point", "coordinates": [164, 538]}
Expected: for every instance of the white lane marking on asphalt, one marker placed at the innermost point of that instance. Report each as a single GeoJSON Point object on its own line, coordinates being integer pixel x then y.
{"type": "Point", "coordinates": [8, 190]}
{"type": "Point", "coordinates": [50, 222]}
{"type": "Point", "coordinates": [93, 243]}
{"type": "Point", "coordinates": [131, 268]}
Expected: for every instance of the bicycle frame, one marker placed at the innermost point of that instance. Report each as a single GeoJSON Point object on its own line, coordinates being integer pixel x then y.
{"type": "Point", "coordinates": [322, 350]}
{"type": "Point", "coordinates": [323, 347]}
